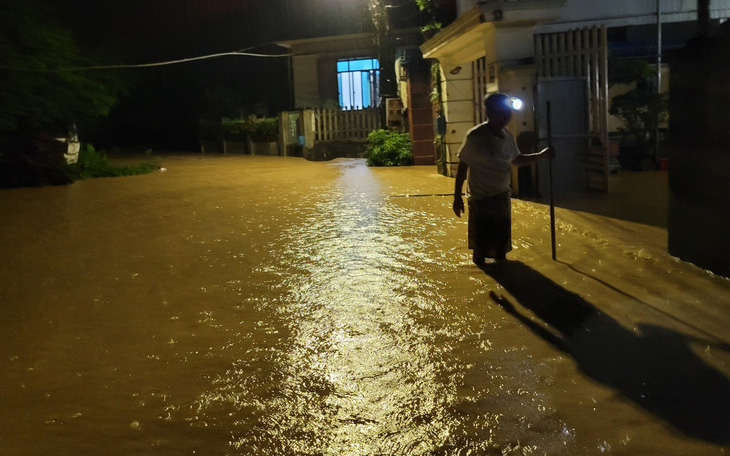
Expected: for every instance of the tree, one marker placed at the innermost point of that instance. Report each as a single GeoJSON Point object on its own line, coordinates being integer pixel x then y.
{"type": "Point", "coordinates": [37, 82]}
{"type": "Point", "coordinates": [43, 93]}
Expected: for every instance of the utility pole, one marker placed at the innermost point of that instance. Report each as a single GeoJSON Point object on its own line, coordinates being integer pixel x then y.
{"type": "Point", "coordinates": [386, 54]}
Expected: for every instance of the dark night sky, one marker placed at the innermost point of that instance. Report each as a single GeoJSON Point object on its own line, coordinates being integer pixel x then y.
{"type": "Point", "coordinates": [182, 28]}
{"type": "Point", "coordinates": [162, 109]}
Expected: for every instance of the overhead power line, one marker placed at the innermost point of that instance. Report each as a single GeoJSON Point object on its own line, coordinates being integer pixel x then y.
{"type": "Point", "coordinates": [146, 65]}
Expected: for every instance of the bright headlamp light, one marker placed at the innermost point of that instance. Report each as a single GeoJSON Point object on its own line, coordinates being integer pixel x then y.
{"type": "Point", "coordinates": [515, 103]}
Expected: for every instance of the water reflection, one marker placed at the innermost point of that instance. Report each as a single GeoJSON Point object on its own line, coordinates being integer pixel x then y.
{"type": "Point", "coordinates": [268, 305]}
{"type": "Point", "coordinates": [356, 373]}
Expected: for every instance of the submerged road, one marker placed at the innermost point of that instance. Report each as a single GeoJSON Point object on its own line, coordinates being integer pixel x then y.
{"type": "Point", "coordinates": [239, 305]}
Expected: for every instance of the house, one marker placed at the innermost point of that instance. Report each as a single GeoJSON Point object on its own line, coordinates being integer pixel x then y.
{"type": "Point", "coordinates": [553, 51]}
{"type": "Point", "coordinates": [345, 86]}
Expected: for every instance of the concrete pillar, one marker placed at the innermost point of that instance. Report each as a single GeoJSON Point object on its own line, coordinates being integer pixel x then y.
{"type": "Point", "coordinates": [308, 128]}
{"type": "Point", "coordinates": [459, 105]}
{"type": "Point", "coordinates": [420, 114]}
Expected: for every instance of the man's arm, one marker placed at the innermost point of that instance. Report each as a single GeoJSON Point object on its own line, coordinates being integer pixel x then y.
{"type": "Point", "coordinates": [458, 205]}
{"type": "Point", "coordinates": [528, 159]}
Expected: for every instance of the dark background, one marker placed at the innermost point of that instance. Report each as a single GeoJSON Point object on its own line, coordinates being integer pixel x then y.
{"type": "Point", "coordinates": [163, 105]}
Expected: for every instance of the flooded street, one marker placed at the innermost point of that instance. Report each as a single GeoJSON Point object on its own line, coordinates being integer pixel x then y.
{"type": "Point", "coordinates": [241, 305]}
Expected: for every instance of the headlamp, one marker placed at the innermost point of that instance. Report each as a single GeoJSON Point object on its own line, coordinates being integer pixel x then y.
{"type": "Point", "coordinates": [515, 103]}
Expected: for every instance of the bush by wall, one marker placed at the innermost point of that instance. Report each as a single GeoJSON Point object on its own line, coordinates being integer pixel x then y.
{"type": "Point", "coordinates": [388, 148]}
{"type": "Point", "coordinates": [256, 128]}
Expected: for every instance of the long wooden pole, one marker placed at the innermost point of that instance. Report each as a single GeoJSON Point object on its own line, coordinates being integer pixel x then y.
{"type": "Point", "coordinates": [550, 183]}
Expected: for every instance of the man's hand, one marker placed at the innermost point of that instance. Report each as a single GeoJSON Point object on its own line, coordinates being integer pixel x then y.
{"type": "Point", "coordinates": [458, 205]}
{"type": "Point", "coordinates": [458, 184]}
{"type": "Point", "coordinates": [547, 153]}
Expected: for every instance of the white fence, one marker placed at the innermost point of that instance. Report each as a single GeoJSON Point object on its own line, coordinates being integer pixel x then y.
{"type": "Point", "coordinates": [331, 124]}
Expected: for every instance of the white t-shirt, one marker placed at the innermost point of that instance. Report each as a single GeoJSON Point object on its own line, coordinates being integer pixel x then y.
{"type": "Point", "coordinates": [489, 158]}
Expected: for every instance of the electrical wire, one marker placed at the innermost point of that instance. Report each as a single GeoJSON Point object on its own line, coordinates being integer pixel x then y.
{"type": "Point", "coordinates": [146, 65]}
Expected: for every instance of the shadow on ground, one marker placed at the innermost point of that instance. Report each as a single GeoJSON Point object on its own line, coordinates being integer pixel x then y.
{"type": "Point", "coordinates": [653, 366]}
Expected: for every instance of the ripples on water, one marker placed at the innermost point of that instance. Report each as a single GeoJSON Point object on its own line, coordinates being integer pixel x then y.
{"type": "Point", "coordinates": [276, 306]}
{"type": "Point", "coordinates": [358, 373]}
{"type": "Point", "coordinates": [367, 358]}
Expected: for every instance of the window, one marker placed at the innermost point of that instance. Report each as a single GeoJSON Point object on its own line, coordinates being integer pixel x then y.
{"type": "Point", "coordinates": [358, 83]}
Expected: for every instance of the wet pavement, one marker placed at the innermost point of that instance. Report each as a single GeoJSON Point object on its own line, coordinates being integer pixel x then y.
{"type": "Point", "coordinates": [269, 305]}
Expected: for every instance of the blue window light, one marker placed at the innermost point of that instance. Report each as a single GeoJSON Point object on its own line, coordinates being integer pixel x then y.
{"type": "Point", "coordinates": [358, 83]}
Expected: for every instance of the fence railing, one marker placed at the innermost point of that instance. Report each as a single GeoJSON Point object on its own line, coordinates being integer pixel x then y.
{"type": "Point", "coordinates": [331, 124]}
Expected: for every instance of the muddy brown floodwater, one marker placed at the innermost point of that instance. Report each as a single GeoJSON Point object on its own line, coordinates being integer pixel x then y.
{"type": "Point", "coordinates": [238, 305]}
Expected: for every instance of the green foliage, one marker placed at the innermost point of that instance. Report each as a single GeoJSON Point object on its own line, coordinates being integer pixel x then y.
{"type": "Point", "coordinates": [424, 4]}
{"type": "Point", "coordinates": [36, 84]}
{"type": "Point", "coordinates": [435, 14]}
{"type": "Point", "coordinates": [93, 163]}
{"type": "Point", "coordinates": [640, 109]}
{"type": "Point", "coordinates": [436, 26]}
{"type": "Point", "coordinates": [39, 161]}
{"type": "Point", "coordinates": [388, 148]}
{"type": "Point", "coordinates": [257, 128]}
{"type": "Point", "coordinates": [440, 154]}
{"type": "Point", "coordinates": [436, 88]}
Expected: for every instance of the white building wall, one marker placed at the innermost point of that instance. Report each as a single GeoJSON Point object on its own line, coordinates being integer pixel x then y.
{"type": "Point", "coordinates": [490, 47]}
{"type": "Point", "coordinates": [306, 81]}
{"type": "Point", "coordinates": [618, 13]}
{"type": "Point", "coordinates": [510, 40]}
{"type": "Point", "coordinates": [513, 43]}
{"type": "Point", "coordinates": [458, 104]}
{"type": "Point", "coordinates": [580, 13]}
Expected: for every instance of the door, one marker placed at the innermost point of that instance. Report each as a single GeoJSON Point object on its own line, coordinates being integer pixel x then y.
{"type": "Point", "coordinates": [568, 98]}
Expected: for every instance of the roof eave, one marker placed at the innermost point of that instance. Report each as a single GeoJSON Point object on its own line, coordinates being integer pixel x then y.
{"type": "Point", "coordinates": [462, 26]}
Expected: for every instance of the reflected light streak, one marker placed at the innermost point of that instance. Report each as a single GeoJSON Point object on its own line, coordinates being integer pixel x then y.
{"type": "Point", "coordinates": [362, 377]}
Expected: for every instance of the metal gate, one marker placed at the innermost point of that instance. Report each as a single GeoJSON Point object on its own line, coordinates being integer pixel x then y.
{"type": "Point", "coordinates": [569, 116]}
{"type": "Point", "coordinates": [582, 54]}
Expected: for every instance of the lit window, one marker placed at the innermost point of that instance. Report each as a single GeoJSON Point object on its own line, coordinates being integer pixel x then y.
{"type": "Point", "coordinates": [358, 83]}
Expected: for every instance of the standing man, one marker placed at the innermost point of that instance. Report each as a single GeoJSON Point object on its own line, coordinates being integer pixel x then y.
{"type": "Point", "coordinates": [486, 156]}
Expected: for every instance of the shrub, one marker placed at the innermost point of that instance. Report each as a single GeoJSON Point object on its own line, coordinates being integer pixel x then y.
{"type": "Point", "coordinates": [264, 129]}
{"type": "Point", "coordinates": [388, 148]}
{"type": "Point", "coordinates": [258, 129]}
{"type": "Point", "coordinates": [93, 163]}
{"type": "Point", "coordinates": [641, 109]}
